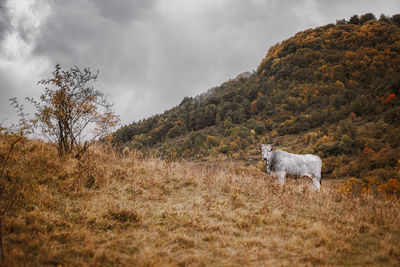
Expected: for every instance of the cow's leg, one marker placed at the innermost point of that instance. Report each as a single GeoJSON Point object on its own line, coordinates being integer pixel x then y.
{"type": "Point", "coordinates": [281, 177]}
{"type": "Point", "coordinates": [316, 182]}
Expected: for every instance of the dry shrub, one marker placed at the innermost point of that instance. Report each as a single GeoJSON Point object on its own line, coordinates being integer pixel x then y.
{"type": "Point", "coordinates": [123, 215]}
{"type": "Point", "coordinates": [391, 188]}
{"type": "Point", "coordinates": [371, 185]}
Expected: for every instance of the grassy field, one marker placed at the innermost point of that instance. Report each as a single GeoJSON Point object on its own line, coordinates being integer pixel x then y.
{"type": "Point", "coordinates": [109, 210]}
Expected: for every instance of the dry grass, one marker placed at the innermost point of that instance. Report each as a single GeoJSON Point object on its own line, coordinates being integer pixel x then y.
{"type": "Point", "coordinates": [110, 210]}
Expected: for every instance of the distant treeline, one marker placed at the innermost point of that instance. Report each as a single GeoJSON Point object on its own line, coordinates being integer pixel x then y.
{"type": "Point", "coordinates": [318, 76]}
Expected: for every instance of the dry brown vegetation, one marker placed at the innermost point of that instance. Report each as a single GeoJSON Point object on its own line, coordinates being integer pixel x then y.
{"type": "Point", "coordinates": [108, 209]}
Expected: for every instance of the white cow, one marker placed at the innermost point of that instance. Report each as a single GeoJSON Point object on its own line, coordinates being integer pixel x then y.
{"type": "Point", "coordinates": [280, 163]}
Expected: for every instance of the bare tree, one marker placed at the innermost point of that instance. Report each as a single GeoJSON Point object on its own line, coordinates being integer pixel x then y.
{"type": "Point", "coordinates": [71, 112]}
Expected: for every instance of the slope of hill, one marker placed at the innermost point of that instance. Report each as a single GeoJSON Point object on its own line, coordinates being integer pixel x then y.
{"type": "Point", "coordinates": [332, 90]}
{"type": "Point", "coordinates": [108, 209]}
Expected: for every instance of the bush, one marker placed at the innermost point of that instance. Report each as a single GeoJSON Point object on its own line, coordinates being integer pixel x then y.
{"type": "Point", "coordinates": [240, 131]}
{"type": "Point", "coordinates": [212, 141]}
{"type": "Point", "coordinates": [259, 129]}
{"type": "Point", "coordinates": [371, 185]}
{"type": "Point", "coordinates": [346, 144]}
{"type": "Point", "coordinates": [391, 188]}
{"type": "Point", "coordinates": [175, 131]}
{"type": "Point", "coordinates": [197, 139]}
{"type": "Point", "coordinates": [328, 148]}
{"type": "Point", "coordinates": [393, 116]}
{"type": "Point", "coordinates": [385, 157]}
{"type": "Point", "coordinates": [233, 146]}
{"type": "Point", "coordinates": [224, 149]}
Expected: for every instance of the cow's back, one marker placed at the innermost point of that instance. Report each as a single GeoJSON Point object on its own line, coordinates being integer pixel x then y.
{"type": "Point", "coordinates": [295, 164]}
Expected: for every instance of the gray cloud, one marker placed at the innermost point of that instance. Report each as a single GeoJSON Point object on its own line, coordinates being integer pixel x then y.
{"type": "Point", "coordinates": [122, 11]}
{"type": "Point", "coordinates": [4, 19]}
{"type": "Point", "coordinates": [153, 53]}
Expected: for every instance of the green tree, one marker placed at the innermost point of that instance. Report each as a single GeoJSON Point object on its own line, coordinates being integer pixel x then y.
{"type": "Point", "coordinates": [178, 129]}
{"type": "Point", "coordinates": [366, 17]}
{"type": "Point", "coordinates": [396, 19]}
{"type": "Point", "coordinates": [354, 20]}
{"type": "Point", "coordinates": [382, 17]}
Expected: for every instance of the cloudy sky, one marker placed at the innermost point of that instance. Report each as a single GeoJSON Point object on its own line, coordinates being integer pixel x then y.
{"type": "Point", "coordinates": [152, 53]}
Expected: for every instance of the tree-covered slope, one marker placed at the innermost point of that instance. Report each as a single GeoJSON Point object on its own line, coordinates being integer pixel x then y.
{"type": "Point", "coordinates": [335, 88]}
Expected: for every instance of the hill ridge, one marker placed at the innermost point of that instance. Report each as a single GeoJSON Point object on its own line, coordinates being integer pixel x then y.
{"type": "Point", "coordinates": [335, 88]}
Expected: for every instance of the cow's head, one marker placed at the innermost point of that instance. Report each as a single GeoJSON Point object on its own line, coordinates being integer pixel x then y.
{"type": "Point", "coordinates": [266, 151]}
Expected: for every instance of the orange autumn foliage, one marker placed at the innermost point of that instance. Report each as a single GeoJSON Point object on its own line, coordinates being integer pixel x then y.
{"type": "Point", "coordinates": [390, 98]}
{"type": "Point", "coordinates": [368, 151]}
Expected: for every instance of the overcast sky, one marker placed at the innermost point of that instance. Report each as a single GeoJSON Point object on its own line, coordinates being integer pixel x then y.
{"type": "Point", "coordinates": [152, 53]}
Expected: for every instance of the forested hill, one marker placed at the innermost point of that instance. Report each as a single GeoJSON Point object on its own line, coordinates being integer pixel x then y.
{"type": "Point", "coordinates": [335, 86]}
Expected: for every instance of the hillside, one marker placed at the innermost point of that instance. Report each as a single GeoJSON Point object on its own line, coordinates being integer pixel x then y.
{"type": "Point", "coordinates": [332, 91]}
{"type": "Point", "coordinates": [108, 209]}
